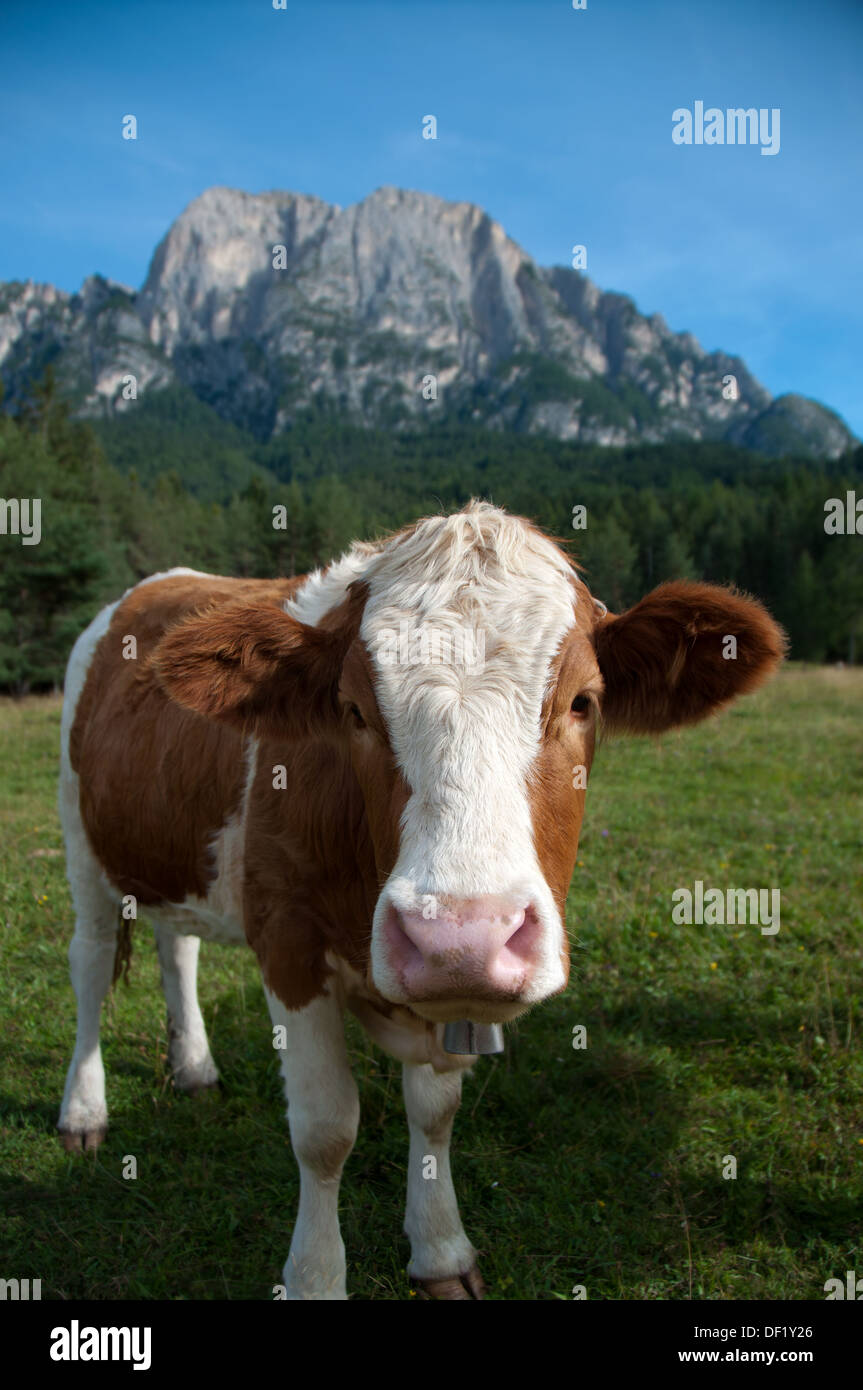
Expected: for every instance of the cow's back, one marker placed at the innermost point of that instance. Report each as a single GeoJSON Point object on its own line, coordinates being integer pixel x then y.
{"type": "Point", "coordinates": [156, 782]}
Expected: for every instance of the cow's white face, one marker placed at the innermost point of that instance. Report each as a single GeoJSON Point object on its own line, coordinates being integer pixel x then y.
{"type": "Point", "coordinates": [463, 666]}
{"type": "Point", "coordinates": [461, 638]}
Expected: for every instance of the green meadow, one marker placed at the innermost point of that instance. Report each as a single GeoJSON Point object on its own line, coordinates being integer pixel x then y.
{"type": "Point", "coordinates": [603, 1166]}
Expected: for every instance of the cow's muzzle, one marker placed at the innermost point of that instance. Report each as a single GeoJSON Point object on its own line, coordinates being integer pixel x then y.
{"type": "Point", "coordinates": [482, 950]}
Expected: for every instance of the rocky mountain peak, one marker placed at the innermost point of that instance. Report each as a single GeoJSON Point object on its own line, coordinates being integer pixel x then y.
{"type": "Point", "coordinates": [399, 308]}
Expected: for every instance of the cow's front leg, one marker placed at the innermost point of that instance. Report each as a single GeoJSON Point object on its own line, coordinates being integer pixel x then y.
{"type": "Point", "coordinates": [323, 1116]}
{"type": "Point", "coordinates": [443, 1261]}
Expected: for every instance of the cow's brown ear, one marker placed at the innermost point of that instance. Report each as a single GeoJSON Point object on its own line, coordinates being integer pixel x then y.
{"type": "Point", "coordinates": [682, 652]}
{"type": "Point", "coordinates": [255, 667]}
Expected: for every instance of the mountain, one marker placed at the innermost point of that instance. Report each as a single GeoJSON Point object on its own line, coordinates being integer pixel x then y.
{"type": "Point", "coordinates": [368, 303]}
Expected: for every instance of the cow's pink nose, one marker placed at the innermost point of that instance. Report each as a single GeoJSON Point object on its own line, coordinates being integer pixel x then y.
{"type": "Point", "coordinates": [479, 948]}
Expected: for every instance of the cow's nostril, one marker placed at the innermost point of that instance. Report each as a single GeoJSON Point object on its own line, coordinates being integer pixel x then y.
{"type": "Point", "coordinates": [475, 948]}
{"type": "Point", "coordinates": [525, 929]}
{"type": "Point", "coordinates": [404, 953]}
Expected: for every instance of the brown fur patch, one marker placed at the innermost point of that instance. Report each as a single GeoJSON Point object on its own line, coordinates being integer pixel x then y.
{"type": "Point", "coordinates": [253, 667]}
{"type": "Point", "coordinates": [156, 781]}
{"type": "Point", "coordinates": [315, 862]}
{"type": "Point", "coordinates": [556, 806]}
{"type": "Point", "coordinates": [662, 661]}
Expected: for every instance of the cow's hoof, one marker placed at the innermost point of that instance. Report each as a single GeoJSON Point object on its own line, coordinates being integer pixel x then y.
{"type": "Point", "coordinates": [202, 1088]}
{"type": "Point", "coordinates": [196, 1078]}
{"type": "Point", "coordinates": [461, 1286]}
{"type": "Point", "coordinates": [82, 1141]}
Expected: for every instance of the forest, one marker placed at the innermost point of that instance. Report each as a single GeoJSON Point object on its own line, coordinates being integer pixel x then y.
{"type": "Point", "coordinates": [172, 484]}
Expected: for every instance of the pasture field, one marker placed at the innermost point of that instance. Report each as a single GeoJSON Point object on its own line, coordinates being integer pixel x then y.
{"type": "Point", "coordinates": [600, 1166]}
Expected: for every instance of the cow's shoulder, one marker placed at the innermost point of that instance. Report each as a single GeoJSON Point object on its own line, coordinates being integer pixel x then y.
{"type": "Point", "coordinates": [119, 664]}
{"type": "Point", "coordinates": [157, 782]}
{"type": "Point", "coordinates": [157, 603]}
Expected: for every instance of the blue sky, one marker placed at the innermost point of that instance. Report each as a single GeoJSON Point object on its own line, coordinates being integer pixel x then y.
{"type": "Point", "coordinates": [558, 122]}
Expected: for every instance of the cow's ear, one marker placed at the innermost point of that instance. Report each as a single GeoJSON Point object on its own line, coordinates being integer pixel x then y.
{"type": "Point", "coordinates": [255, 667]}
{"type": "Point", "coordinates": [682, 652]}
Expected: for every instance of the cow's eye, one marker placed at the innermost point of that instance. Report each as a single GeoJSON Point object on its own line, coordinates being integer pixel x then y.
{"type": "Point", "coordinates": [356, 716]}
{"type": "Point", "coordinates": [581, 705]}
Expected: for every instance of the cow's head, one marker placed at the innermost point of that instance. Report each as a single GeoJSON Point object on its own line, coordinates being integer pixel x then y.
{"type": "Point", "coordinates": [465, 669]}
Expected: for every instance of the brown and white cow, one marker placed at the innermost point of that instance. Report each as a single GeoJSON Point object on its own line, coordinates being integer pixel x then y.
{"type": "Point", "coordinates": [392, 834]}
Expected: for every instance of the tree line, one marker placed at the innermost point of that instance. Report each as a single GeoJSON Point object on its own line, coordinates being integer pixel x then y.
{"type": "Point", "coordinates": [123, 501]}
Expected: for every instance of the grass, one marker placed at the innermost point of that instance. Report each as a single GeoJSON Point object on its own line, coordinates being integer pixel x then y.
{"type": "Point", "coordinates": [601, 1166]}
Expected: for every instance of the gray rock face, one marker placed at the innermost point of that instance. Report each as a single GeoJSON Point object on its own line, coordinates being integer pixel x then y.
{"type": "Point", "coordinates": [398, 309]}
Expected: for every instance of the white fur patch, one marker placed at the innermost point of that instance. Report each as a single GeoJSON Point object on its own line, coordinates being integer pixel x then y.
{"type": "Point", "coordinates": [80, 863]}
{"type": "Point", "coordinates": [325, 589]}
{"type": "Point", "coordinates": [465, 736]}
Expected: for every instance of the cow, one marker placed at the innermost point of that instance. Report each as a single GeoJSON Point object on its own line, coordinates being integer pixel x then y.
{"type": "Point", "coordinates": [390, 822]}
